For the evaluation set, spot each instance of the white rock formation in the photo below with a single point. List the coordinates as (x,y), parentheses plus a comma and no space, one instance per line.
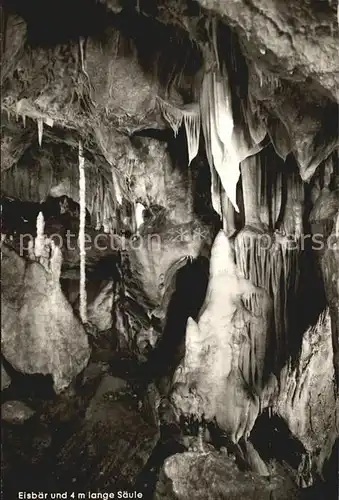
(40,333)
(221,374)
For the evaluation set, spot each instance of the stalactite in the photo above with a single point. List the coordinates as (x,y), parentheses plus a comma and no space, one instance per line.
(279,137)
(205,111)
(192,127)
(192,345)
(250,187)
(262,191)
(104,200)
(40,130)
(117,187)
(275,283)
(292,221)
(95,208)
(315,192)
(82,198)
(213,22)
(172,115)
(82,57)
(227,214)
(276,198)
(217,121)
(274,269)
(106,220)
(260,74)
(227,143)
(328,170)
(190,116)
(254,120)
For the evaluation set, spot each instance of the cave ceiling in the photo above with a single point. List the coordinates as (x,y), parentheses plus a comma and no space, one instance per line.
(94,70)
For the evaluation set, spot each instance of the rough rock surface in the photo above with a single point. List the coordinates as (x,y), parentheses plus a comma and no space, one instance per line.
(294,122)
(40,333)
(208,476)
(156,180)
(323,220)
(111,446)
(307,397)
(330,271)
(99,311)
(85,84)
(297,39)
(5,378)
(158,255)
(93,440)
(16,412)
(107,389)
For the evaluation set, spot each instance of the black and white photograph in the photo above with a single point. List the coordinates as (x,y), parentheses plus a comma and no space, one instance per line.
(169,249)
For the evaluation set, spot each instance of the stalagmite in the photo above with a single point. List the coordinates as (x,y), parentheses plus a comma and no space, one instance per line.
(192,346)
(139,219)
(40,236)
(82,198)
(254,460)
(30,250)
(250,189)
(56,261)
(221,375)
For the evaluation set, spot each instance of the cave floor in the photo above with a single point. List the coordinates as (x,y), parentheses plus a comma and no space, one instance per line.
(98,436)
(94,437)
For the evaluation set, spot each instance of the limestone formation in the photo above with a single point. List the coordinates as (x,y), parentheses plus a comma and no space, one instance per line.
(40,334)
(169,237)
(5,378)
(15,412)
(225,350)
(181,479)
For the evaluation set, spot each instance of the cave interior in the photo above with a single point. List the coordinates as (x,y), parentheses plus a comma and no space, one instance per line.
(169,249)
